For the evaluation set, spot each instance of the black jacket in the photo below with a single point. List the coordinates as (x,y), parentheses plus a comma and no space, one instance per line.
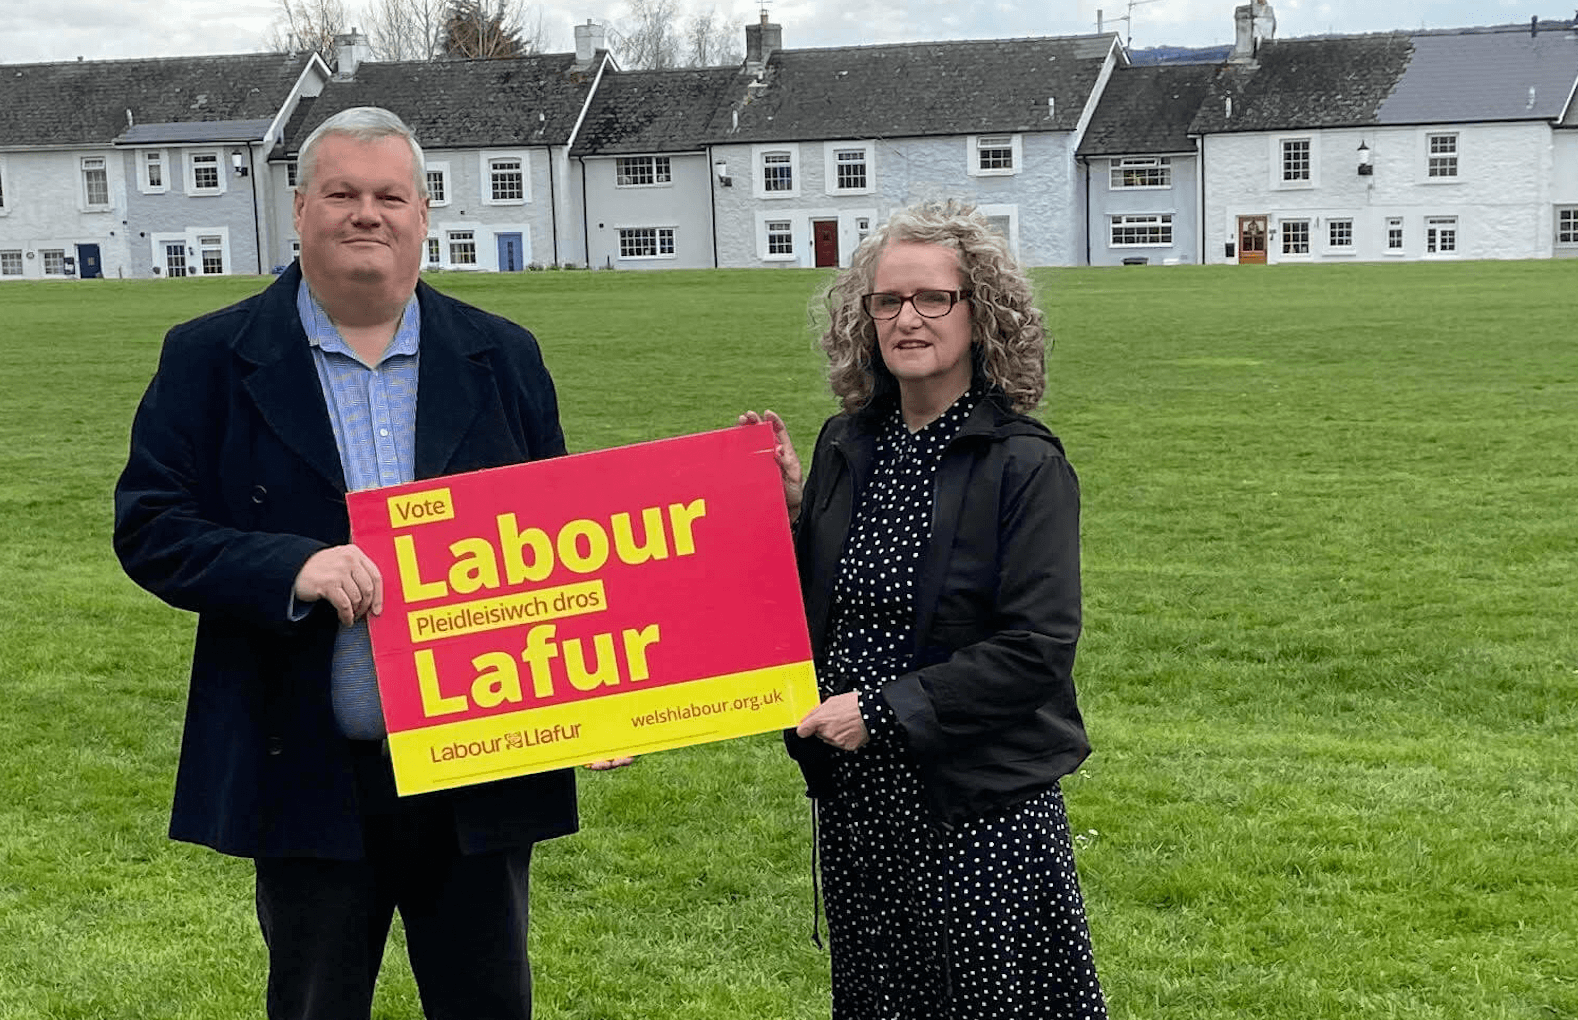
(232,482)
(989,711)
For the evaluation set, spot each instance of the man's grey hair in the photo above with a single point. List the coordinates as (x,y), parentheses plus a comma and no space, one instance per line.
(365,124)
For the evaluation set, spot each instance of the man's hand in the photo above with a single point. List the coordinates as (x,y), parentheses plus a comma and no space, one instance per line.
(347,578)
(836,721)
(783,453)
(609,763)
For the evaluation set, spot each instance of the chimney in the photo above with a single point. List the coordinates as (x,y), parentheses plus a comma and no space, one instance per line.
(761,42)
(589,38)
(1253,24)
(350,50)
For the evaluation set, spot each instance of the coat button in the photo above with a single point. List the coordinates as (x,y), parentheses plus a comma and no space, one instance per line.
(258,493)
(276,745)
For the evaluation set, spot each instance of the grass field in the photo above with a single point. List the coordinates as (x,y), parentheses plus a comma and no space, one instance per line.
(1330,664)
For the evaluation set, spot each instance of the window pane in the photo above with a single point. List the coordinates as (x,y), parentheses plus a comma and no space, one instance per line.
(155,170)
(851,169)
(54,262)
(435,185)
(508,183)
(1567,226)
(779,239)
(213,255)
(1340,233)
(95,181)
(996,153)
(1295,237)
(1296,160)
(1128,231)
(205,172)
(1443,156)
(10,263)
(462,248)
(777,172)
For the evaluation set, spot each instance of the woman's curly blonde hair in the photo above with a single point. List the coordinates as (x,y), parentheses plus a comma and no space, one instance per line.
(1008,339)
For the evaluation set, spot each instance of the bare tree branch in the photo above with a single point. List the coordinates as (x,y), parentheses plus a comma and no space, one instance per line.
(308,25)
(407,29)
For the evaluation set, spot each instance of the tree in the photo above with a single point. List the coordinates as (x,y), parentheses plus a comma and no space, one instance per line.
(407,29)
(711,42)
(473,30)
(649,40)
(308,25)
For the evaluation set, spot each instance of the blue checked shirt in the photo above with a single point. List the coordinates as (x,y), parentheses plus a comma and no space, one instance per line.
(373,411)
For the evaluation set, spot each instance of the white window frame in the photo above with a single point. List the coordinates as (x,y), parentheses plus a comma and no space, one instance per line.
(147,158)
(1332,246)
(219,170)
(1160,165)
(433,252)
(295,248)
(450,240)
(441,168)
(292,173)
(659,168)
(972,157)
(831,162)
(1429,156)
(1279,144)
(763,234)
(1570,212)
(221,244)
(43,261)
(759,155)
(1159,220)
(1395,222)
(1433,248)
(485,165)
(21,263)
(84,194)
(657,242)
(1009,212)
(1308,226)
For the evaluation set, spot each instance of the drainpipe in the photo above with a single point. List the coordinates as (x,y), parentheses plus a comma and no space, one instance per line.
(712,201)
(1200,190)
(586,215)
(257,222)
(1085,162)
(553,204)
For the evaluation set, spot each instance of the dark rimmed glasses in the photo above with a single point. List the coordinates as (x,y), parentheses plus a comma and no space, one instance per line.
(930,304)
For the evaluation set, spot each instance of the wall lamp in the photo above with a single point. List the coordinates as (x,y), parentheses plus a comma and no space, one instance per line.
(236,163)
(1366,169)
(722,167)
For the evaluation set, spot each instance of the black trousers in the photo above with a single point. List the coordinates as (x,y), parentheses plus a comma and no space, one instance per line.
(325,922)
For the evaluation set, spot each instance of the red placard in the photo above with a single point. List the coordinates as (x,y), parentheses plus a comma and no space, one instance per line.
(580,608)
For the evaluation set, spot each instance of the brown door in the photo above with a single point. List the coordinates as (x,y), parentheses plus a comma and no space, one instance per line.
(1251,240)
(825,238)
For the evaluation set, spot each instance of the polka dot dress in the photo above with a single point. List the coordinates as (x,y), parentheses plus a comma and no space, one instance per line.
(977,922)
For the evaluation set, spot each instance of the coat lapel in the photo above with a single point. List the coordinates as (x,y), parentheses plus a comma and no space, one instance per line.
(284,382)
(452,380)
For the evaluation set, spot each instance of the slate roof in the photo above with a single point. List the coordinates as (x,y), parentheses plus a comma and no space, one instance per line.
(461,104)
(1485,76)
(654,111)
(200,131)
(85,102)
(916,89)
(1336,81)
(1147,110)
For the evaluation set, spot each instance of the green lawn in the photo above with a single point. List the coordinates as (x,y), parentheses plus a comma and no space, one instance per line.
(1330,665)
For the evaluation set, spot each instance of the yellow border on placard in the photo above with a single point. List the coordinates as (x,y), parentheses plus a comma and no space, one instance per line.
(716,708)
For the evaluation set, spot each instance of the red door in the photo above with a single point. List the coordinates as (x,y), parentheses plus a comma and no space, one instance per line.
(825,239)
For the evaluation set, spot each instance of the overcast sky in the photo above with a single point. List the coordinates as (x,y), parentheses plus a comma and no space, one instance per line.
(37,30)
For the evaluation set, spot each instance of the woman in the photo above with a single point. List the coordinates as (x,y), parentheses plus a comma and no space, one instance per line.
(938,545)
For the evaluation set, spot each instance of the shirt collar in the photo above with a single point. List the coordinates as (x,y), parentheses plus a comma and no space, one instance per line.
(322,333)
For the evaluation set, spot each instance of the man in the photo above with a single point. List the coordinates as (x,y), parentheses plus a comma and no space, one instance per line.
(346,373)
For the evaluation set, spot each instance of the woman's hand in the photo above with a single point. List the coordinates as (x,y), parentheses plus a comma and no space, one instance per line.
(836,721)
(783,452)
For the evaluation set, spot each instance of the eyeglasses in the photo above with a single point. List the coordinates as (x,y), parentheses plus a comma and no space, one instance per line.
(931,304)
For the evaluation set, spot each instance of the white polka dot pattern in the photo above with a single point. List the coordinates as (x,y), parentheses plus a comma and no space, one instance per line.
(980,921)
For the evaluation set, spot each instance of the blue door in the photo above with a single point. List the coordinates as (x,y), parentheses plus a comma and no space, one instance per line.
(510,260)
(88,261)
